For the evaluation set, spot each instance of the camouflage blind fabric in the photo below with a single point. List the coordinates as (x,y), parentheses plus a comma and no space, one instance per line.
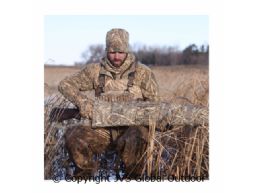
(106,114)
(114,97)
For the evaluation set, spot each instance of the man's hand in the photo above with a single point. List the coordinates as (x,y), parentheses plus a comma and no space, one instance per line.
(86,108)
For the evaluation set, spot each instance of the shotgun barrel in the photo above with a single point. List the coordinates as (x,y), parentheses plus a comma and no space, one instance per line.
(61,114)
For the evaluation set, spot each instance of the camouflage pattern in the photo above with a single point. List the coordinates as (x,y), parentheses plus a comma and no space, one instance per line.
(117,40)
(132,113)
(82,142)
(145,86)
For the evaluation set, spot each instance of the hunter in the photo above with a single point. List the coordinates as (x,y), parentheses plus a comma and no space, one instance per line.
(118,76)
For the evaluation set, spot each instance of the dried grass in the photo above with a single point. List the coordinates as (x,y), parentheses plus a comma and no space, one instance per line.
(179,151)
(55,157)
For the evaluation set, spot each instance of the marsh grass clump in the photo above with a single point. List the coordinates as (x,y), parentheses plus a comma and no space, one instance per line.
(181,151)
(56,161)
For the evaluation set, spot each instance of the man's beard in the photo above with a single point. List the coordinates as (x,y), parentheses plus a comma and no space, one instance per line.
(118,63)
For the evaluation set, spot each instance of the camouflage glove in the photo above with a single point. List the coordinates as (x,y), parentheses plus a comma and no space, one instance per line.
(86,108)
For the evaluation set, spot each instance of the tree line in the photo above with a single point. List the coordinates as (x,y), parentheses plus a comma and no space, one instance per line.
(149,55)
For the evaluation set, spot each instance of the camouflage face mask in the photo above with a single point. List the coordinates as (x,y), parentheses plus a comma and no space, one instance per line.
(117,40)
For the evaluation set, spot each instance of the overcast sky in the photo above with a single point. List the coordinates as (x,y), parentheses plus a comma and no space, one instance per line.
(66,36)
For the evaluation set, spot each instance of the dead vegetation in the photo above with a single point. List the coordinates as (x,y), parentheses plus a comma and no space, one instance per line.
(179,151)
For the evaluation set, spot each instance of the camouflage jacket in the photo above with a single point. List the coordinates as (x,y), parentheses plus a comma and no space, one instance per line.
(116,81)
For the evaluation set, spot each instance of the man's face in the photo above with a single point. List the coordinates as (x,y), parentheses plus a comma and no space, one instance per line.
(116,58)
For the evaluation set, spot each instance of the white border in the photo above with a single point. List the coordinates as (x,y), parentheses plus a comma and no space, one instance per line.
(22,98)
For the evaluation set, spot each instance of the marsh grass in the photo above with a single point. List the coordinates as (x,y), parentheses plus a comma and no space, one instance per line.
(179,151)
(55,155)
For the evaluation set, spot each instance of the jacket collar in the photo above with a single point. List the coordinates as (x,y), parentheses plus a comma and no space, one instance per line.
(128,66)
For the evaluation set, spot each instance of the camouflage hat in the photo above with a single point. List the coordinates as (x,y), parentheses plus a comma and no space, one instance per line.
(117,40)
